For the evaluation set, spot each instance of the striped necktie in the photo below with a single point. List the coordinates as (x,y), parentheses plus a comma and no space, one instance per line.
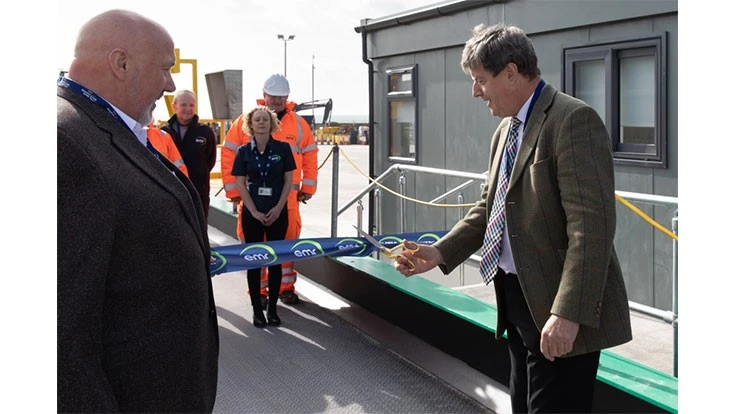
(491,250)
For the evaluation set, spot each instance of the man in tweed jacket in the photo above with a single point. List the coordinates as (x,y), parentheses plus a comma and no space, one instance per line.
(136,323)
(560,292)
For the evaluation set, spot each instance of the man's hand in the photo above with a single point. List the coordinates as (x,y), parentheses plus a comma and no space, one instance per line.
(558,336)
(426,258)
(303,197)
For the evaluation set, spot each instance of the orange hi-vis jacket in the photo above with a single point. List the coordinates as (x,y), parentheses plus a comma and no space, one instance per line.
(295,131)
(164,144)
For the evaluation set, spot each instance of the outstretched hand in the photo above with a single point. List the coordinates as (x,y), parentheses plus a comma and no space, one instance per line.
(422,256)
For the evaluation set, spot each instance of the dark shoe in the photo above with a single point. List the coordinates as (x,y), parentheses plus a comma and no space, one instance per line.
(289,297)
(273,318)
(259,321)
(264,302)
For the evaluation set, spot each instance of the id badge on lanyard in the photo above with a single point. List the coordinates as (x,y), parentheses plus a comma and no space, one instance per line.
(265,191)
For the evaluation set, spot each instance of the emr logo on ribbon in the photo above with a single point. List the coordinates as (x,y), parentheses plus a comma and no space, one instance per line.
(259,254)
(314,251)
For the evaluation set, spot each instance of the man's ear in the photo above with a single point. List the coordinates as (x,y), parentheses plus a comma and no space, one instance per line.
(511,71)
(119,61)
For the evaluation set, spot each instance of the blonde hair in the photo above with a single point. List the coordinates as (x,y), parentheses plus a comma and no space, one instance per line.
(248,124)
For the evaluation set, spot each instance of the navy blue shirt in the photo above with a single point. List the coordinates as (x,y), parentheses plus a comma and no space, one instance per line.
(264,171)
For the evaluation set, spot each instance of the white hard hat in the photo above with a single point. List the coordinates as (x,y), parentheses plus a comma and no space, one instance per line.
(276,85)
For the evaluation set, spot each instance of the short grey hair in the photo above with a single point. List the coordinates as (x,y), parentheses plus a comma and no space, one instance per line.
(494,47)
(184,92)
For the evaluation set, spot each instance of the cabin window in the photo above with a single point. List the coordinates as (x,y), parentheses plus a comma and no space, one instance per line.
(625,82)
(402,114)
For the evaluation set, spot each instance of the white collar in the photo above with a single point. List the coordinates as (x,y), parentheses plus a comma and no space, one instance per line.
(140,131)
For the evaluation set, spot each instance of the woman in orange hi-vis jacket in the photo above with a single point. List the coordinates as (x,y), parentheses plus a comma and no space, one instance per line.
(164,144)
(295,131)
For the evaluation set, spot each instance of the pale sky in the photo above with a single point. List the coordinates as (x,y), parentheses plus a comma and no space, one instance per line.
(242,34)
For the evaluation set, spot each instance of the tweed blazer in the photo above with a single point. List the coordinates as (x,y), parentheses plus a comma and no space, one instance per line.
(136,323)
(561,221)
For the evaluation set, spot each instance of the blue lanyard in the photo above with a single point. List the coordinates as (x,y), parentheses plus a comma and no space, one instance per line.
(263,171)
(537,91)
(102,103)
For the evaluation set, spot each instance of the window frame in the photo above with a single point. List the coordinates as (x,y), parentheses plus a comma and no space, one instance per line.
(402,96)
(611,53)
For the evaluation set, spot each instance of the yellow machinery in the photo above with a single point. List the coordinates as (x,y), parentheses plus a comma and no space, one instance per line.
(220,126)
(329,135)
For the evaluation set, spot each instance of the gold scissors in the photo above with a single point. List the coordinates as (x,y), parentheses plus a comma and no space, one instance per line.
(385,250)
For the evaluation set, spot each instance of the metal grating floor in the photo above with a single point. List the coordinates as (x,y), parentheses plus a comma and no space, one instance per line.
(316,362)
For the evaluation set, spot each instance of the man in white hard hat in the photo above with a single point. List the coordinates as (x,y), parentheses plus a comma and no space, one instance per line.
(296,131)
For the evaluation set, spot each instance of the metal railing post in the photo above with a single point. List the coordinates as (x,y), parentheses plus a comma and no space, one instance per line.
(402,201)
(460,200)
(377,222)
(359,210)
(377,209)
(335,178)
(675,303)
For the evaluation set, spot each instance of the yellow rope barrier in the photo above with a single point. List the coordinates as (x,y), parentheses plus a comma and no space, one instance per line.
(618,197)
(329,154)
(646,217)
(426,203)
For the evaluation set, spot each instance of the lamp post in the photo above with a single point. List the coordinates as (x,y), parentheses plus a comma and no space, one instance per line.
(285,38)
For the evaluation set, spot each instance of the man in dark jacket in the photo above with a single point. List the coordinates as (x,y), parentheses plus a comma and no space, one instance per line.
(196,143)
(136,326)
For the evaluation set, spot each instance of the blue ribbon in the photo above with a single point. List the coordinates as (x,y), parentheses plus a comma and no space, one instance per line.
(236,257)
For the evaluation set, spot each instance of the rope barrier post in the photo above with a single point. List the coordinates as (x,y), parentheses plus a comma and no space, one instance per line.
(335,178)
(402,203)
(675,301)
(460,200)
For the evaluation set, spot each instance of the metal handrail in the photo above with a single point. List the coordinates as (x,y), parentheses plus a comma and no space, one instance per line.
(454,190)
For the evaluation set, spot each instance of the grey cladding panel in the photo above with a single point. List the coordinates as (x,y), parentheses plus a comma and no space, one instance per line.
(225,90)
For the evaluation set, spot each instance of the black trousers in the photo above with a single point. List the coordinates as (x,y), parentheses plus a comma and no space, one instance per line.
(536,384)
(254,231)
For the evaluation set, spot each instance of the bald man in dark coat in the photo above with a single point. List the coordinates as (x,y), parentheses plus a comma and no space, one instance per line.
(137,328)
